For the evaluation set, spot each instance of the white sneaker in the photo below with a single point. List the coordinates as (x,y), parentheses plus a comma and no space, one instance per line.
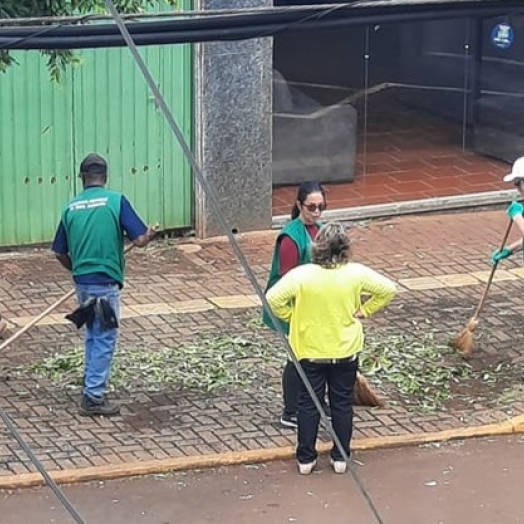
(339,466)
(306,469)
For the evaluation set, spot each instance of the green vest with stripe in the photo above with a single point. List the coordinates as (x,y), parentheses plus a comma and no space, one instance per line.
(94,235)
(296,231)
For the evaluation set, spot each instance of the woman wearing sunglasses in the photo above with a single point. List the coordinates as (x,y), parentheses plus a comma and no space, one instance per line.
(292,249)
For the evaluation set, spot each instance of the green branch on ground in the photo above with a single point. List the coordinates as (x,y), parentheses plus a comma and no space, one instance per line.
(425,372)
(207,365)
(415,370)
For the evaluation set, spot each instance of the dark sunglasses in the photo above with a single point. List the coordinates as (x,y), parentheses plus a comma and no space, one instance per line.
(518,182)
(313,207)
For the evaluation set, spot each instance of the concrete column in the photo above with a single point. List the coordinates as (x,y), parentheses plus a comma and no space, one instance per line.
(233,113)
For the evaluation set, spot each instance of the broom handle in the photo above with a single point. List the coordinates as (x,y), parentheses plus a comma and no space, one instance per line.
(492,274)
(45,313)
(37,319)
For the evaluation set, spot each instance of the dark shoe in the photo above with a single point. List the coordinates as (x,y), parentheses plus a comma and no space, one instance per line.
(90,408)
(289,421)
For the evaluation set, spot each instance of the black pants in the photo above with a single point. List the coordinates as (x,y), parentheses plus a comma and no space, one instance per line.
(291,389)
(340,379)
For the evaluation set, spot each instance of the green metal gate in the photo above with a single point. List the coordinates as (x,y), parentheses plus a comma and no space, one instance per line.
(36,151)
(103,105)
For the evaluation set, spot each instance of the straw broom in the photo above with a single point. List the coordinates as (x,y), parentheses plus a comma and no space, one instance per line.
(464,340)
(364,395)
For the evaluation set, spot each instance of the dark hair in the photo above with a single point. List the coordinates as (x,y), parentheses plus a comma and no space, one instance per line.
(93,170)
(331,246)
(305,189)
(93,164)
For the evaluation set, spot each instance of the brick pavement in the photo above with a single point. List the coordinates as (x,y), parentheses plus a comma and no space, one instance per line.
(178,289)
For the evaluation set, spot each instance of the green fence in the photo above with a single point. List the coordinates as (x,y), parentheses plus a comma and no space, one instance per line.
(102,106)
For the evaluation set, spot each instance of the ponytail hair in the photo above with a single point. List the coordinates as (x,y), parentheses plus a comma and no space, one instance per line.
(304,190)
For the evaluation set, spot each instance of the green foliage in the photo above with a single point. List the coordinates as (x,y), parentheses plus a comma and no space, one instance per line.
(41,8)
(422,370)
(416,370)
(208,364)
(57,61)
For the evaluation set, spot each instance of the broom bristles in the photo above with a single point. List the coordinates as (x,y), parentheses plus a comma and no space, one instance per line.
(464,340)
(364,394)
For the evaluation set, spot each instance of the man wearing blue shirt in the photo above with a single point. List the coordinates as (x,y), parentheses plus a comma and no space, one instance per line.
(89,242)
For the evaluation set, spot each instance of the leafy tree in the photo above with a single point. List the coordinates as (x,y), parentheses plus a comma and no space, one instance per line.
(57,61)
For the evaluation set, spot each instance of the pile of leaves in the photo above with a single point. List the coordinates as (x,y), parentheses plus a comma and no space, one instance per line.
(423,371)
(208,364)
(416,370)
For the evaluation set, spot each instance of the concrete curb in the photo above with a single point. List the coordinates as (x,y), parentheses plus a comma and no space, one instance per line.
(152,467)
(411,207)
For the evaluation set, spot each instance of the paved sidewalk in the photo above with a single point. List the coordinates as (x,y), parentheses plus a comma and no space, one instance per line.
(446,484)
(178,290)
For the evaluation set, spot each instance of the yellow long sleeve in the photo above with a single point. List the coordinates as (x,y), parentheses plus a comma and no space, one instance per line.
(320,305)
(281,296)
(381,289)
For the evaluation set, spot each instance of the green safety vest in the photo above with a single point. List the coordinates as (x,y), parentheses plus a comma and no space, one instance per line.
(94,234)
(296,231)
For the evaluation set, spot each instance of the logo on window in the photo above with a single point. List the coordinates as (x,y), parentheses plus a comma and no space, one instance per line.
(502,36)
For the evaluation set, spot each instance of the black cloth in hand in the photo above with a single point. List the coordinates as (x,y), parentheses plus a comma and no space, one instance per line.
(92,309)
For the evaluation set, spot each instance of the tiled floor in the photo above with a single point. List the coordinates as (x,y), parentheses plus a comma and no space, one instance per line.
(409,156)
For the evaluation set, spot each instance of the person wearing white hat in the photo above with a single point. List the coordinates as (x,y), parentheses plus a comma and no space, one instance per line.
(515,211)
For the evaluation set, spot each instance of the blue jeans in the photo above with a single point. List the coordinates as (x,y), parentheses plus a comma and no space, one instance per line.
(99,345)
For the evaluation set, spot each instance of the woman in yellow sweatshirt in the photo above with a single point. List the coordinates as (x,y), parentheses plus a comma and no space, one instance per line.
(322,303)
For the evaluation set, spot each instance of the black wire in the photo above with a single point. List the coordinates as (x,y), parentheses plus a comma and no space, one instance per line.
(314,16)
(21,40)
(41,469)
(213,199)
(246,26)
(36,34)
